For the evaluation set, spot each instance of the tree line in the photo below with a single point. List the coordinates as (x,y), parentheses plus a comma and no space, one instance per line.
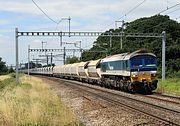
(4,69)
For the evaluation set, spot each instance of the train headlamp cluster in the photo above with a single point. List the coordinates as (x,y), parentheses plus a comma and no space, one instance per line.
(134,74)
(153,75)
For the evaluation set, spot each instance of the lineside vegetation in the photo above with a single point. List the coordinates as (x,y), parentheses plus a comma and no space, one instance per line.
(32,103)
(169,86)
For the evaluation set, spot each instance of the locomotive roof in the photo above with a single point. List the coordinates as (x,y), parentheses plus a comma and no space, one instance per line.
(127,56)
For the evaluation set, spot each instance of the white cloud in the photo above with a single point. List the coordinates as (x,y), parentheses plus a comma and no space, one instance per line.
(78,9)
(6,49)
(3,39)
(4,22)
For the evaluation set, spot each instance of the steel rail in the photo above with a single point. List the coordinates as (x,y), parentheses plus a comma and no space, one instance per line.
(161,98)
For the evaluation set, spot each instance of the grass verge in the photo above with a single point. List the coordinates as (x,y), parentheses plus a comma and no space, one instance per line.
(32,103)
(169,86)
(3,77)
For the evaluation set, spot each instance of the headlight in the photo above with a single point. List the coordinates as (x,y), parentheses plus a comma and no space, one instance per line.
(134,74)
(153,75)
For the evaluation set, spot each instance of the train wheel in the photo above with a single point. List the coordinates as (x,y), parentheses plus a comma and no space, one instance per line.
(121,85)
(131,89)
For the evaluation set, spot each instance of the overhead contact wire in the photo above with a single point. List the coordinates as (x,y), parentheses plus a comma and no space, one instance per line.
(167,13)
(168,8)
(173,11)
(132,9)
(44,12)
(127,13)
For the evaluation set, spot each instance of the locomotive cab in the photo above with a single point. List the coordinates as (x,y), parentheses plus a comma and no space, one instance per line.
(143,70)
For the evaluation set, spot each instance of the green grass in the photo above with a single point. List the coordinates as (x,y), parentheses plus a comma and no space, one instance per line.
(32,103)
(9,82)
(169,86)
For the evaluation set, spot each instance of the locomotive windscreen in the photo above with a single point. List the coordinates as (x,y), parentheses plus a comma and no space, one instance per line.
(143,63)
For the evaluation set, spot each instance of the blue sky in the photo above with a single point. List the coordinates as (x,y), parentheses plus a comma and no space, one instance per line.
(87,15)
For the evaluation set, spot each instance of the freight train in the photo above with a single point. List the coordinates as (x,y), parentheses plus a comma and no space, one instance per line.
(130,72)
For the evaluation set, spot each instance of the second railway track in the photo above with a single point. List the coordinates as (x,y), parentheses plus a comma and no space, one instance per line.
(163,98)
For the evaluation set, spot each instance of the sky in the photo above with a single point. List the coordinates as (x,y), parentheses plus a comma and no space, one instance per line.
(86,15)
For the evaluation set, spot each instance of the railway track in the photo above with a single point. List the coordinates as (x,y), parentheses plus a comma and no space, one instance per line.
(164,116)
(167,96)
(162,98)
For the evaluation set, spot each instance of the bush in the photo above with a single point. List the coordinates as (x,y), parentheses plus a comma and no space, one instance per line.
(13,75)
(176,74)
(11,70)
